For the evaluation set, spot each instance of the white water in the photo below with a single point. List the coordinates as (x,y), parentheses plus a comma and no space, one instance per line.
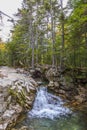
(48,106)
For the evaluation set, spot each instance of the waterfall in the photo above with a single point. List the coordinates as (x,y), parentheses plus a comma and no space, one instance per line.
(47,105)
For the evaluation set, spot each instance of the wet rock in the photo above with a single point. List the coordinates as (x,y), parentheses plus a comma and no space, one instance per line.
(39,83)
(51,84)
(61,91)
(80,98)
(56,84)
(24,128)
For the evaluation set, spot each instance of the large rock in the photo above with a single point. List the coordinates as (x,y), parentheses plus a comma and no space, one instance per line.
(56,80)
(23,92)
(51,74)
(63,86)
(9,117)
(17,93)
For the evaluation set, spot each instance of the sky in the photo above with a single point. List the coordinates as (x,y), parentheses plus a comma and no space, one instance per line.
(9,7)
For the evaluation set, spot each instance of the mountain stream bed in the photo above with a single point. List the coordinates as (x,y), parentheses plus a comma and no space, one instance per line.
(49,113)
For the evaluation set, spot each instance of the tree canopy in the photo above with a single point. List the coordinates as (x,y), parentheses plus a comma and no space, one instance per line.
(47,32)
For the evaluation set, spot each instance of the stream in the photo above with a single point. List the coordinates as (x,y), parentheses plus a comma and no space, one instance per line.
(49,113)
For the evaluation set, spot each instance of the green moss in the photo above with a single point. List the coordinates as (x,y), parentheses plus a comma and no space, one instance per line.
(19,97)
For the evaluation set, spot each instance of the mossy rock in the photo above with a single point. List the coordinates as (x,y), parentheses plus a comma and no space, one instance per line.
(19,97)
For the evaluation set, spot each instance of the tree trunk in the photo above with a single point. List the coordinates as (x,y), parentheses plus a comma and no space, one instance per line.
(62,37)
(53,38)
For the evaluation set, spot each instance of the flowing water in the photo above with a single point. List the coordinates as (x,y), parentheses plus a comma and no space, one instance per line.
(47,105)
(49,113)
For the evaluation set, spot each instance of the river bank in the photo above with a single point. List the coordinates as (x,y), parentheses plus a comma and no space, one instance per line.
(18,91)
(68,84)
(65,87)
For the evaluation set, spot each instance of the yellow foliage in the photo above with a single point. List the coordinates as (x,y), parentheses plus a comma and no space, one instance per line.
(2,46)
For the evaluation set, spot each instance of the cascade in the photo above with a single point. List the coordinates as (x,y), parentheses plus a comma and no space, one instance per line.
(46,105)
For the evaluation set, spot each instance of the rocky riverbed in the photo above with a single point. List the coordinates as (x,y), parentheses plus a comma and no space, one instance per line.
(63,86)
(18,90)
(17,93)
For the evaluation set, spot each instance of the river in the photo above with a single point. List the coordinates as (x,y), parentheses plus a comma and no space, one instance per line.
(49,113)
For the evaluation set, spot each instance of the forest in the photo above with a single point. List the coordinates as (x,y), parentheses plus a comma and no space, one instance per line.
(43,67)
(47,32)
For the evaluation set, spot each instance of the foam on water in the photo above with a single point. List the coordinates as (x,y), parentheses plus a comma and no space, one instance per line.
(48,106)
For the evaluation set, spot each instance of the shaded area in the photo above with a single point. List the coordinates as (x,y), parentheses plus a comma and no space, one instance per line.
(73,122)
